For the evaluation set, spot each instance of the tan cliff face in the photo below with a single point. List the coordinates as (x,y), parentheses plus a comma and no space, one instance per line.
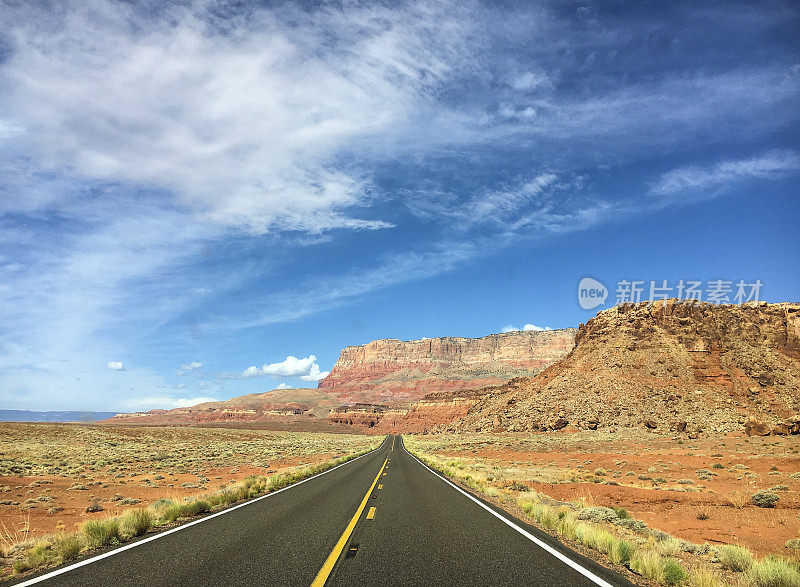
(665,365)
(392,371)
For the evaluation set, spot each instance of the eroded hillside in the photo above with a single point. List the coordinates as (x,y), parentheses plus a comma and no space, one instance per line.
(665,365)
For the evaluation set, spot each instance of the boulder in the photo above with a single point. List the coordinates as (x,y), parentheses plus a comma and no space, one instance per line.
(680,427)
(755,427)
(650,424)
(558,424)
(780,429)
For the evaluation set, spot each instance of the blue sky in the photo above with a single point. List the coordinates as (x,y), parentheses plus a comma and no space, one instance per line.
(207,200)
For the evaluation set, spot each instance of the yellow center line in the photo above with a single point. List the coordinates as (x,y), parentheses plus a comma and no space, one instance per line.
(327,568)
(371,513)
(380,486)
(392,443)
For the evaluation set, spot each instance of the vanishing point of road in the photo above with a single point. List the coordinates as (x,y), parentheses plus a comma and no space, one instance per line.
(381,519)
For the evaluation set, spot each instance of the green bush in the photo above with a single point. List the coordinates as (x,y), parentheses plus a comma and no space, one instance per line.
(773,572)
(39,555)
(136,522)
(735,558)
(622,513)
(170,512)
(673,572)
(194,508)
(101,532)
(69,548)
(622,552)
(764,499)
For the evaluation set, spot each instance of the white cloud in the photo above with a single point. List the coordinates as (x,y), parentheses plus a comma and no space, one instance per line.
(526,328)
(530,81)
(283,385)
(244,127)
(115,365)
(533,327)
(166,403)
(191,366)
(306,369)
(771,165)
(315,374)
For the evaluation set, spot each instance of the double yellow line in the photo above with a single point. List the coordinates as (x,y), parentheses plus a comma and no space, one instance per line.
(327,568)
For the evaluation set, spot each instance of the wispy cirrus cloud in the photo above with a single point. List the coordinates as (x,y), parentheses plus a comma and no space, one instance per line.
(694,178)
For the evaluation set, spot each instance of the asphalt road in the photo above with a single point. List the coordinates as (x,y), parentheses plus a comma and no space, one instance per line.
(422,531)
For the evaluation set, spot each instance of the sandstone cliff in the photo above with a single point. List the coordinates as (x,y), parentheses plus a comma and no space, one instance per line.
(392,371)
(665,365)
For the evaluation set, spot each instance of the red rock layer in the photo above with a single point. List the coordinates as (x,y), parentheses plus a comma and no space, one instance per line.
(391,371)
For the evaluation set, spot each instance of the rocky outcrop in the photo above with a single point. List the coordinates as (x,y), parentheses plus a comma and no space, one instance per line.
(664,366)
(393,371)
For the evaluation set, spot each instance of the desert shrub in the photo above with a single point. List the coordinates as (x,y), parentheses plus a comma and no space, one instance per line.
(597,514)
(669,547)
(649,564)
(773,572)
(162,502)
(779,488)
(548,518)
(170,512)
(793,544)
(136,522)
(673,572)
(39,555)
(764,499)
(717,466)
(101,532)
(735,558)
(621,512)
(631,524)
(703,577)
(621,552)
(69,548)
(518,486)
(194,508)
(567,527)
(20,565)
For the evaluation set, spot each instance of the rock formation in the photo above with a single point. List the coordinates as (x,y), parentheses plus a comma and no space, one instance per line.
(393,371)
(667,365)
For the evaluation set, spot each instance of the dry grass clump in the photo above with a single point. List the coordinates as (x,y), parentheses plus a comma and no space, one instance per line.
(773,572)
(101,532)
(135,522)
(734,558)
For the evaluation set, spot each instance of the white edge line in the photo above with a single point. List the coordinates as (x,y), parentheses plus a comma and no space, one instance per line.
(560,556)
(93,559)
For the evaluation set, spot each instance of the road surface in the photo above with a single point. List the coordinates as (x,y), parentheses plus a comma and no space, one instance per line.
(382,519)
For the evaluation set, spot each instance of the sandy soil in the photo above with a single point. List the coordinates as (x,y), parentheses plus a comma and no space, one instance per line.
(65,468)
(669,483)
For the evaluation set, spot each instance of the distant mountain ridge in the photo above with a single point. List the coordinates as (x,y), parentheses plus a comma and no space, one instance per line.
(254,407)
(66,416)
